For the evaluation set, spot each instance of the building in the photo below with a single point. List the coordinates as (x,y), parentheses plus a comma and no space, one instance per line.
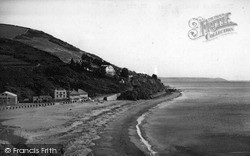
(8,98)
(78,96)
(83,94)
(74,96)
(60,94)
(42,98)
(109,70)
(112,97)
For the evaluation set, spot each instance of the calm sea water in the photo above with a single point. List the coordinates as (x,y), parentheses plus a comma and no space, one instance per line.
(210,119)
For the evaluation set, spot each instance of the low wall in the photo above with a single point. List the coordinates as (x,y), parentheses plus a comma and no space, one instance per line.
(112,97)
(25,105)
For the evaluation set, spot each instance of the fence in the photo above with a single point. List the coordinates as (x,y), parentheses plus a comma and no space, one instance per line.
(30,105)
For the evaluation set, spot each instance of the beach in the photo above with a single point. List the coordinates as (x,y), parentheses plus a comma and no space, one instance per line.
(89,128)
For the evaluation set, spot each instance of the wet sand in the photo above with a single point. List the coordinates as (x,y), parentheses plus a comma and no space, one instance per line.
(121,138)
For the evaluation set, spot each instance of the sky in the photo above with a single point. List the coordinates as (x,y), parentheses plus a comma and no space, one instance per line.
(148,36)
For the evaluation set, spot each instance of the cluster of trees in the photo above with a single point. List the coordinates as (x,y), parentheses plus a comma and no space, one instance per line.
(96,66)
(143,87)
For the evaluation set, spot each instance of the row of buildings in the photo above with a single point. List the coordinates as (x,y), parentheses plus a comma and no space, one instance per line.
(8,98)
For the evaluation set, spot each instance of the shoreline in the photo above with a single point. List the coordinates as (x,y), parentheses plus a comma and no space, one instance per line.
(85,129)
(145,116)
(142,137)
(121,137)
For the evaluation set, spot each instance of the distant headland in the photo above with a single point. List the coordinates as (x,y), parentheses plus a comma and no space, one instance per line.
(193,79)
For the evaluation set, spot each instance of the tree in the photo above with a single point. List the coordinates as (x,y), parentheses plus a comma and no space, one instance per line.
(154,76)
(87,58)
(124,72)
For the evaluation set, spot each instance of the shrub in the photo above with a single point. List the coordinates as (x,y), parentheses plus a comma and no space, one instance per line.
(125,72)
(129,95)
(154,76)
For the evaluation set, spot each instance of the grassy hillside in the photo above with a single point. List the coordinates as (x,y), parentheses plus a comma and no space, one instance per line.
(28,71)
(28,68)
(42,41)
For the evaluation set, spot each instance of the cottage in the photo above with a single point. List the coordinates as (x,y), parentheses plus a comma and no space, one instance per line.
(109,70)
(74,96)
(42,98)
(60,94)
(83,94)
(8,98)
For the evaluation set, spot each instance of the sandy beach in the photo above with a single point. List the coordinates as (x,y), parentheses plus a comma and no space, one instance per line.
(83,128)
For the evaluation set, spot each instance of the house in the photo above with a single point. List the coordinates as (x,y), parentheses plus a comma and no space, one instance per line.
(77,96)
(74,96)
(8,98)
(83,94)
(109,70)
(42,98)
(60,94)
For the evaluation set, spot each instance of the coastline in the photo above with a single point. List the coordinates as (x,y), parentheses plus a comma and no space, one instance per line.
(121,138)
(84,129)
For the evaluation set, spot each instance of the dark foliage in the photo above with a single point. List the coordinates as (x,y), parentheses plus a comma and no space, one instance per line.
(46,72)
(154,76)
(143,88)
(124,73)
(28,71)
(129,95)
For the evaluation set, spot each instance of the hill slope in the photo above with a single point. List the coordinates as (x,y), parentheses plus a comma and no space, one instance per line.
(35,63)
(43,41)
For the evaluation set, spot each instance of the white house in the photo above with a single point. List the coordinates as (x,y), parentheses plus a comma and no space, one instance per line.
(110,71)
(60,94)
(8,98)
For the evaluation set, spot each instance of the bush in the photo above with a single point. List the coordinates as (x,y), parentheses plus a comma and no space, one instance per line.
(125,72)
(129,95)
(154,76)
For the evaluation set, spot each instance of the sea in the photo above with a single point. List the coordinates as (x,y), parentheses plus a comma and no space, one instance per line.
(209,119)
